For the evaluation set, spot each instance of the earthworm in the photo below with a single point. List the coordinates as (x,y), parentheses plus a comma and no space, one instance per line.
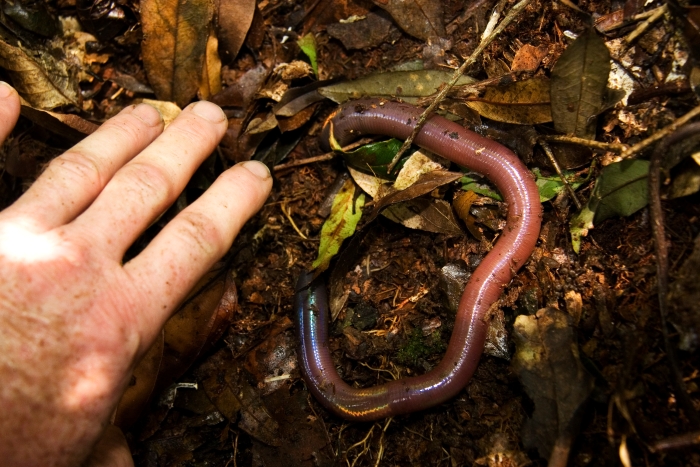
(514,245)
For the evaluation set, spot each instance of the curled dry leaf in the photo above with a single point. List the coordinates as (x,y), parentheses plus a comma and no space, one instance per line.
(234,18)
(174,46)
(211,69)
(69,126)
(41,79)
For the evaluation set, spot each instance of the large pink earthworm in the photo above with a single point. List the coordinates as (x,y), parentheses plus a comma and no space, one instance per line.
(514,245)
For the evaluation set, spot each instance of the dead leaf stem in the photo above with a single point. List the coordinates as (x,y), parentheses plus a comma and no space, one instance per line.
(661,133)
(659,234)
(512,14)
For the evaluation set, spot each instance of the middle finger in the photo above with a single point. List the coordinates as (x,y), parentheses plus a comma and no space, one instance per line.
(151,182)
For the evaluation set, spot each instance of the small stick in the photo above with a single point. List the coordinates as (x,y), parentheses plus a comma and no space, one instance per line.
(661,133)
(557,167)
(615,147)
(323,157)
(512,14)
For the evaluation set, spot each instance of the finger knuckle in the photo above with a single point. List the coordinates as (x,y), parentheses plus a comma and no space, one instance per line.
(150,182)
(201,233)
(76,167)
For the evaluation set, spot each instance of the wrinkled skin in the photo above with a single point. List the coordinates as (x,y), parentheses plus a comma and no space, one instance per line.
(74,320)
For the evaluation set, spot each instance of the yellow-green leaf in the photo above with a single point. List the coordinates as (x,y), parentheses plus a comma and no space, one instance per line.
(345,214)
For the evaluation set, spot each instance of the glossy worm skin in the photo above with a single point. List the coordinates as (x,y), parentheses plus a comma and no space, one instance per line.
(516,242)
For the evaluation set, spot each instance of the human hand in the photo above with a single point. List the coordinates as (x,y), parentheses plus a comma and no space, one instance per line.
(74,320)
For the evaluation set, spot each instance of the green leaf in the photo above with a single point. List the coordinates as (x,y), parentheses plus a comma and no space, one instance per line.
(551,186)
(375,158)
(620,190)
(472,183)
(548,186)
(578,85)
(307,44)
(341,224)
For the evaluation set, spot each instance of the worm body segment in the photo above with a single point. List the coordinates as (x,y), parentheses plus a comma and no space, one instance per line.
(514,246)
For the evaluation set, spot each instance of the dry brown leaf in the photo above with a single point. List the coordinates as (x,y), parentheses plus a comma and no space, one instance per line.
(528,58)
(46,83)
(523,102)
(69,126)
(174,46)
(211,70)
(234,18)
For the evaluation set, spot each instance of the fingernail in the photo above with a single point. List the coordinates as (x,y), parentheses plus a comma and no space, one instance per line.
(211,112)
(148,114)
(5,90)
(257,168)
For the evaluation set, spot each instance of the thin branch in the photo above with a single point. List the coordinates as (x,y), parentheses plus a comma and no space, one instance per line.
(512,14)
(661,133)
(659,234)
(615,147)
(321,158)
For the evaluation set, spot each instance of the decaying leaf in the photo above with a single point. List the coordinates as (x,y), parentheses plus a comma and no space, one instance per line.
(431,215)
(423,19)
(41,79)
(345,214)
(225,385)
(174,44)
(368,31)
(198,324)
(234,18)
(620,190)
(408,85)
(548,365)
(424,184)
(522,102)
(579,79)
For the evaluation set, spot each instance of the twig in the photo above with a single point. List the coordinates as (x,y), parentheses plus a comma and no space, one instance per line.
(661,133)
(615,147)
(659,234)
(639,30)
(287,214)
(309,160)
(557,168)
(323,157)
(677,442)
(512,14)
